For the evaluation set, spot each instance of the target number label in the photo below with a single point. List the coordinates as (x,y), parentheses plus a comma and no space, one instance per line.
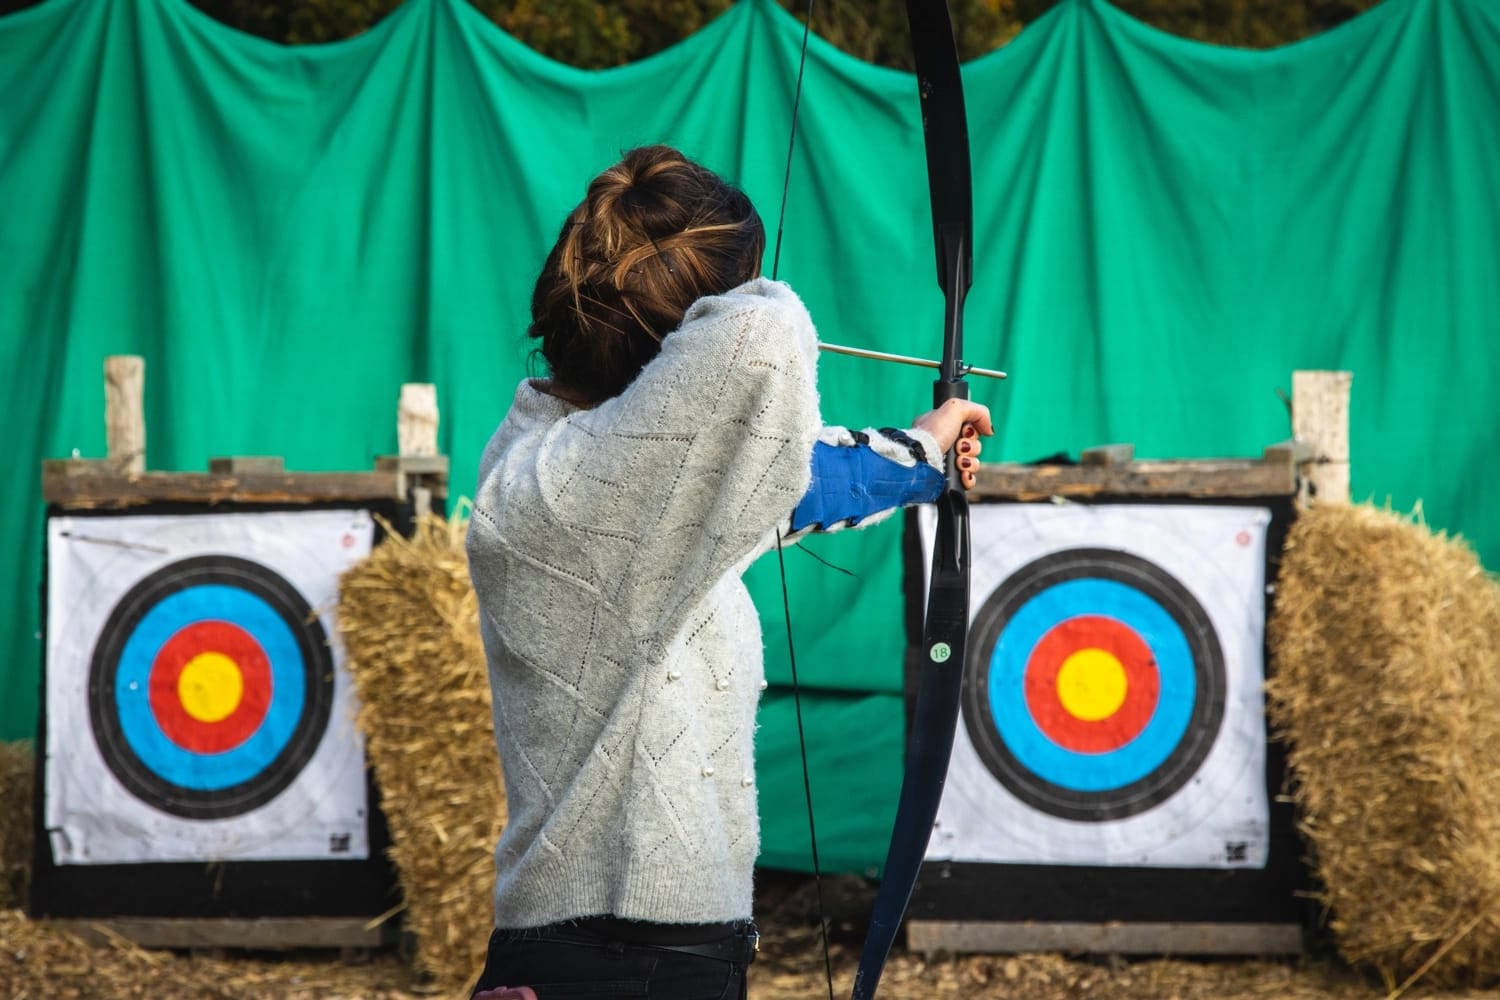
(1095,686)
(210,687)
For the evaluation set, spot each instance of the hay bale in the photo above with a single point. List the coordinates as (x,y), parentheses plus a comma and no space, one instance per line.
(410,621)
(16,780)
(1387,688)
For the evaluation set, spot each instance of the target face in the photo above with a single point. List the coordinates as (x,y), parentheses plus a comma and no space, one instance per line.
(1111,703)
(197,704)
(1094,686)
(210,687)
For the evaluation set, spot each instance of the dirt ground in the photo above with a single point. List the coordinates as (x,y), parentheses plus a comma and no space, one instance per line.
(41,963)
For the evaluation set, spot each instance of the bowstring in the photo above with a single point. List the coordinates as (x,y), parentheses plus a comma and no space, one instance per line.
(791,141)
(786,601)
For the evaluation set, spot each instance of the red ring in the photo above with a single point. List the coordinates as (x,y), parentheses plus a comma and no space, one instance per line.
(210,636)
(1142,684)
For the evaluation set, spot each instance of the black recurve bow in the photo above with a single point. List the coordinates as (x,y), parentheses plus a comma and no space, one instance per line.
(946,626)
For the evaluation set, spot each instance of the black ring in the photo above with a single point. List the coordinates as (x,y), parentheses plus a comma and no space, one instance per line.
(1208,664)
(317,661)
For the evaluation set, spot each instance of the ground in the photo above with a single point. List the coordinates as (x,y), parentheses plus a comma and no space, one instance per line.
(40,963)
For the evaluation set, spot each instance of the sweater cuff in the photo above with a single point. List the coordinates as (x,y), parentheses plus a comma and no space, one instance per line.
(926,446)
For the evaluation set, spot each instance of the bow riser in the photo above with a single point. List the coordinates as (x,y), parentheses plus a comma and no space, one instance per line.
(955,270)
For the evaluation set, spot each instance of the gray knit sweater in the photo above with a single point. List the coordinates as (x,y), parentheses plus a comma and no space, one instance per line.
(624,651)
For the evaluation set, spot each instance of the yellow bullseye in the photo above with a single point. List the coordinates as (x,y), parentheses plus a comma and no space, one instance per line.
(1091,685)
(210,687)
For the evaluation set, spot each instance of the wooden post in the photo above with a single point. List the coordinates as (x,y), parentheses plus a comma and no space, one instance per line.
(417,420)
(124,411)
(1320,417)
(416,433)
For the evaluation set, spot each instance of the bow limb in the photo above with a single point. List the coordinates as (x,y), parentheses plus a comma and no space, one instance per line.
(946,628)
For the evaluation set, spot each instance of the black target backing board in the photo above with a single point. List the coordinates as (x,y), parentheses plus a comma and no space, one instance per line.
(1256,880)
(332,886)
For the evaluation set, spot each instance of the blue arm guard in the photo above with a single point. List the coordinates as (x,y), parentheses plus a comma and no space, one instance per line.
(849,483)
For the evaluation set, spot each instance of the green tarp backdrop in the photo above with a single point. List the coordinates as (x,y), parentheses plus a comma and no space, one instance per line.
(1164,231)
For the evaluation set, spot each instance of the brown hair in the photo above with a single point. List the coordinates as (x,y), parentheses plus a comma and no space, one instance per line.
(655,233)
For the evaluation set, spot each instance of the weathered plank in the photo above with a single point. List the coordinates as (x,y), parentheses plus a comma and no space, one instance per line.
(85,486)
(261,934)
(1197,478)
(1112,938)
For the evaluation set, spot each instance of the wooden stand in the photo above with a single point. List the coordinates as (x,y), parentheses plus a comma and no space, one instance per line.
(406,485)
(89,484)
(417,475)
(1111,474)
(1312,467)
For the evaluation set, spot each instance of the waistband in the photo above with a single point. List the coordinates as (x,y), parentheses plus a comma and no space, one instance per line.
(735,942)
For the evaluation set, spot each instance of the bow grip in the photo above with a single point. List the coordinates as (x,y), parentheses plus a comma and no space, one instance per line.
(943,390)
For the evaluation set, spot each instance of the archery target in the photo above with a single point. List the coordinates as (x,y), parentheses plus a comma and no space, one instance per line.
(196,700)
(1112,691)
(210,687)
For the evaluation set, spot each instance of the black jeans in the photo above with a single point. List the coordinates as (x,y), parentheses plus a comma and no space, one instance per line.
(602,957)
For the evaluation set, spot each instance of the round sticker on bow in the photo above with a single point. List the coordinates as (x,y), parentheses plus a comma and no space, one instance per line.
(210,687)
(1095,684)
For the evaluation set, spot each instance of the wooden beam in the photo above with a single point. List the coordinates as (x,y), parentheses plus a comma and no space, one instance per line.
(1112,938)
(1199,478)
(66,484)
(263,934)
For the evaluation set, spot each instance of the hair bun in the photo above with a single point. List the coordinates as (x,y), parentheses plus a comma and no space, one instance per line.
(654,233)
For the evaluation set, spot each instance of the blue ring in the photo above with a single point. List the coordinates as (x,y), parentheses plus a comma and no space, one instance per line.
(156,750)
(1090,772)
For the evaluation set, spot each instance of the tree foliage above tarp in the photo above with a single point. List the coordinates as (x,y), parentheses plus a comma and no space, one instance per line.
(592,35)
(1164,231)
(588,34)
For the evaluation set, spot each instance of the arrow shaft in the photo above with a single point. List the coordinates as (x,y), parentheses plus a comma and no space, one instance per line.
(902,359)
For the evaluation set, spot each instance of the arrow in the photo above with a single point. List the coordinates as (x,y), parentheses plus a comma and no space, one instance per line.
(860,352)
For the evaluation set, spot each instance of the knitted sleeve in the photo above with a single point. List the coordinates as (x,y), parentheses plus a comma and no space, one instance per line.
(669,485)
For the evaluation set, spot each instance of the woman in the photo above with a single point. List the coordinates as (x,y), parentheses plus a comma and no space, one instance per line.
(619,501)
